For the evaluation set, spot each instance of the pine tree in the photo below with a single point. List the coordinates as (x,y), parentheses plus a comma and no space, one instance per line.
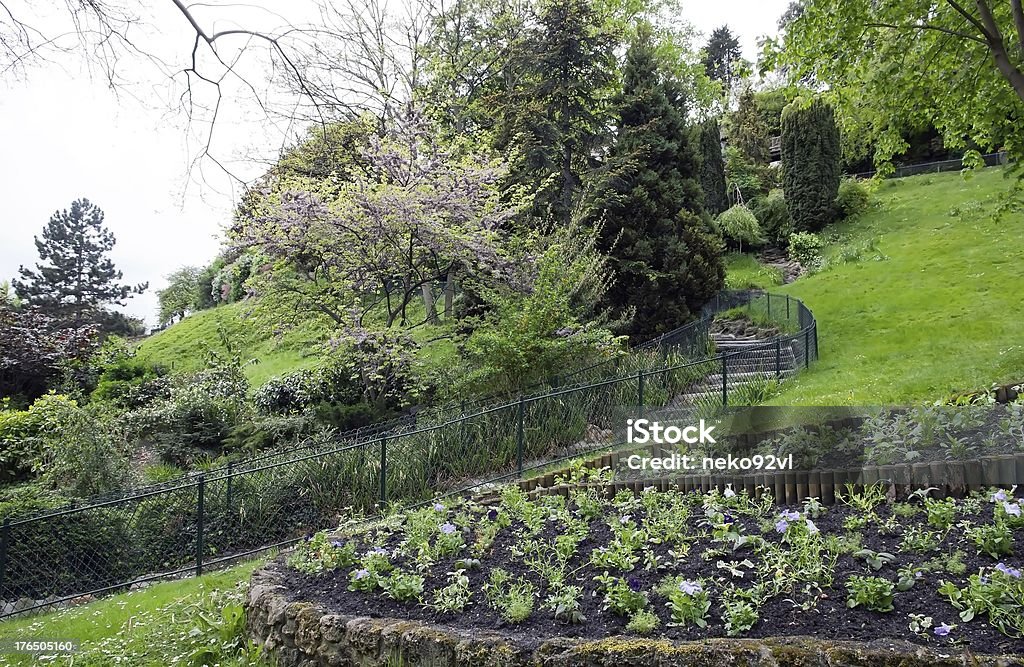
(553,121)
(667,264)
(75,277)
(811,156)
(747,130)
(712,168)
(720,56)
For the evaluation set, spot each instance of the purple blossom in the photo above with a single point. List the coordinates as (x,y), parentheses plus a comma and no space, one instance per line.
(811,528)
(361,574)
(492,514)
(999,496)
(626,518)
(690,587)
(943,629)
(1012,509)
(634,584)
(729,493)
(448,529)
(1008,571)
(983,579)
(337,544)
(781,525)
(790,515)
(438,507)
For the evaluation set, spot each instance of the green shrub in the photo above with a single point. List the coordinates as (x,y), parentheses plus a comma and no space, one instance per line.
(805,248)
(772,213)
(738,225)
(129,383)
(854,198)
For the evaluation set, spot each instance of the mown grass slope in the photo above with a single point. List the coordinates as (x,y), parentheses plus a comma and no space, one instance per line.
(921,297)
(276,348)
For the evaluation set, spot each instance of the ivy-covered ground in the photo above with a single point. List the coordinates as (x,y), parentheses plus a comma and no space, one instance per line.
(688,566)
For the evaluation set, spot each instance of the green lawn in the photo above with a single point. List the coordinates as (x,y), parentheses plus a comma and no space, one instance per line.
(743,271)
(183,346)
(932,306)
(171,623)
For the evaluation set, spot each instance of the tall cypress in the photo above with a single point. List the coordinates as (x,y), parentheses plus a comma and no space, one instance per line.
(712,168)
(667,264)
(811,156)
(75,277)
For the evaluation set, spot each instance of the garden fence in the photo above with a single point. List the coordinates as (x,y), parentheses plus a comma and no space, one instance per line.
(222,515)
(991,160)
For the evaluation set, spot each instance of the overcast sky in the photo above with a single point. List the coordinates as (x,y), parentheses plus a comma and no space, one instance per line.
(65,135)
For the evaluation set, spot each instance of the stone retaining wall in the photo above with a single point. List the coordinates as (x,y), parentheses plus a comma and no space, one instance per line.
(302,634)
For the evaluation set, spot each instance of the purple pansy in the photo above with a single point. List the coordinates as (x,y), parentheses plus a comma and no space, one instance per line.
(361,574)
(943,629)
(781,525)
(438,507)
(448,529)
(1008,571)
(634,584)
(811,528)
(492,514)
(1012,509)
(999,496)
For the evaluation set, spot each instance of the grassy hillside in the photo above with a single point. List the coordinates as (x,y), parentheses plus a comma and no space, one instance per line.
(922,298)
(183,346)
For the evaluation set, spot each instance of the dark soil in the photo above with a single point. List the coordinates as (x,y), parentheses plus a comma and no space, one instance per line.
(829,619)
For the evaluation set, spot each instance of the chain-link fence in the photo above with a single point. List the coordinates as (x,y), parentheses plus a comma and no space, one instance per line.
(991,160)
(215,517)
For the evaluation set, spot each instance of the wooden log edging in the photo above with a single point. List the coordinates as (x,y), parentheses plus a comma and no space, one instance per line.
(304,634)
(953,479)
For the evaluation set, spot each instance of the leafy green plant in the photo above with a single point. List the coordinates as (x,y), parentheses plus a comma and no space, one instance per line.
(403,586)
(875,593)
(994,539)
(688,601)
(740,226)
(998,594)
(854,197)
(322,553)
(623,597)
(512,598)
(455,596)
(876,559)
(643,622)
(565,604)
(805,248)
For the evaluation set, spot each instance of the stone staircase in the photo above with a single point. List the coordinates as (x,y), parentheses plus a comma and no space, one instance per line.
(749,360)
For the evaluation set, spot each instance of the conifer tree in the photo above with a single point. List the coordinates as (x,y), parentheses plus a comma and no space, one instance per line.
(75,278)
(712,168)
(811,156)
(554,118)
(667,263)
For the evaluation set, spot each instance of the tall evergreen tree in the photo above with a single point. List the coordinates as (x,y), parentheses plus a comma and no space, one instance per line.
(811,156)
(720,56)
(747,130)
(554,120)
(712,168)
(667,264)
(75,278)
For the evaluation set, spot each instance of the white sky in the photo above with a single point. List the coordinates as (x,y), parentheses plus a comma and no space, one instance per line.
(65,135)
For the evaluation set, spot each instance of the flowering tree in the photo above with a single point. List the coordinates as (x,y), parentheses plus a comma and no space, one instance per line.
(417,217)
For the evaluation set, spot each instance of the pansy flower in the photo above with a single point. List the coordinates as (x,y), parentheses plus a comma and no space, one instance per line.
(634,584)
(943,629)
(1012,509)
(1008,571)
(999,496)
(448,528)
(690,587)
(361,574)
(438,507)
(492,514)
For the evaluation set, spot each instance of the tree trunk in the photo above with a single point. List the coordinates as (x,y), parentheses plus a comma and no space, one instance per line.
(429,305)
(997,46)
(449,294)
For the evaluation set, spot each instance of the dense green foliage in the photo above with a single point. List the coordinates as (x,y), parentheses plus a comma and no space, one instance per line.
(810,163)
(712,168)
(773,214)
(738,226)
(899,65)
(721,55)
(653,228)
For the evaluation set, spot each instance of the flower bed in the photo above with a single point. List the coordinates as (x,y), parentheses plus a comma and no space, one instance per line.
(686,566)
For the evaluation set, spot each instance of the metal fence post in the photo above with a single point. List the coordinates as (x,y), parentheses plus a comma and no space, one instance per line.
(787,307)
(807,348)
(816,356)
(383,472)
(200,493)
(227,493)
(640,391)
(778,359)
(520,434)
(725,380)
(5,538)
